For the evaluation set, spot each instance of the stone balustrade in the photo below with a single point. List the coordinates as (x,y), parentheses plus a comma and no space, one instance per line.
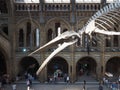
(57,6)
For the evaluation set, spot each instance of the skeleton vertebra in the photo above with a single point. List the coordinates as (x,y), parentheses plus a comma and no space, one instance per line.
(100,22)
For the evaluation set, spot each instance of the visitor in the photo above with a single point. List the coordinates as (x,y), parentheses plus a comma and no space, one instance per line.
(100,87)
(0,84)
(104,79)
(107,82)
(114,86)
(119,79)
(65,77)
(28,84)
(68,79)
(84,83)
(13,86)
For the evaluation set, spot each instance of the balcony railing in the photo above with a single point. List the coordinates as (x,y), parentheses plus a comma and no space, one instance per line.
(57,7)
(26,7)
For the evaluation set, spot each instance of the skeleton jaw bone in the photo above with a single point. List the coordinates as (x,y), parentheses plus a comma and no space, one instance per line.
(69,38)
(63,36)
(64,45)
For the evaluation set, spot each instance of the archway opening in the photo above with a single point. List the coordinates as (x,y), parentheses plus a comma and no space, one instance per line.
(86,69)
(28,65)
(3,68)
(113,67)
(57,67)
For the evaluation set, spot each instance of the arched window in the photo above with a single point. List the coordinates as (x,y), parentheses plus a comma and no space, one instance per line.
(108,41)
(49,35)
(21,38)
(86,40)
(115,41)
(94,40)
(57,25)
(28,34)
(37,38)
(65,30)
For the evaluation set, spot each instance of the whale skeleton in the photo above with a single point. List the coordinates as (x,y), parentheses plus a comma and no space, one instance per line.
(101,22)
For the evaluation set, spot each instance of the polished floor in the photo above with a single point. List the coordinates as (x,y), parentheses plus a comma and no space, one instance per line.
(54,87)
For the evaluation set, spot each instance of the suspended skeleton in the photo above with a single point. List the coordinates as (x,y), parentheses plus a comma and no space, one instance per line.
(101,22)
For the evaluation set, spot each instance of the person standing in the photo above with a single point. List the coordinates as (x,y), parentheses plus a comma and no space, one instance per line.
(28,84)
(84,83)
(0,85)
(119,79)
(100,87)
(13,86)
(68,79)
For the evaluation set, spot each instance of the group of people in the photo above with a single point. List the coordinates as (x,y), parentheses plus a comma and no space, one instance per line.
(4,79)
(55,78)
(29,79)
(113,85)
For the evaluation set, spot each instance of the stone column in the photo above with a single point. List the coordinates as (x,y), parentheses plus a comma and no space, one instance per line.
(98,69)
(11,33)
(11,30)
(43,74)
(72,66)
(102,56)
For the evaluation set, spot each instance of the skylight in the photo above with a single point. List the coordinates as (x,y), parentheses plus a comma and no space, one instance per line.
(88,1)
(27,1)
(57,1)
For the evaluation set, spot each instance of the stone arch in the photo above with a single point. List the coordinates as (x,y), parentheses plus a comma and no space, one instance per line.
(86,67)
(51,24)
(28,65)
(55,20)
(27,20)
(57,65)
(113,66)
